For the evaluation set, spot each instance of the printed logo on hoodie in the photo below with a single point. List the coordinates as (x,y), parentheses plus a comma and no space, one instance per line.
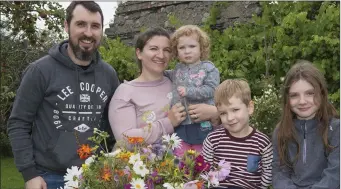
(84,112)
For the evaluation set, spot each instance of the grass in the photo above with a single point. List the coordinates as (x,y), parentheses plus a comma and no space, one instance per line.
(10,177)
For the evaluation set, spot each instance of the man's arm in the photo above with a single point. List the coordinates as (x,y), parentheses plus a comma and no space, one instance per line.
(28,98)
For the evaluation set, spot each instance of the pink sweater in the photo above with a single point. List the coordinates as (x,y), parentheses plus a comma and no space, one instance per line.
(139,109)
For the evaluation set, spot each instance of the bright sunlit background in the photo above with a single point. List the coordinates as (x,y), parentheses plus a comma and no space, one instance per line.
(108,9)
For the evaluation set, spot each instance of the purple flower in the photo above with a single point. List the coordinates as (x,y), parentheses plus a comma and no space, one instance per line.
(150,184)
(116,178)
(158,149)
(146,150)
(224,169)
(156,178)
(127,186)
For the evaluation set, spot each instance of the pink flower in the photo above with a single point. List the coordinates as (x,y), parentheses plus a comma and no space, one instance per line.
(201,74)
(192,76)
(200,164)
(212,178)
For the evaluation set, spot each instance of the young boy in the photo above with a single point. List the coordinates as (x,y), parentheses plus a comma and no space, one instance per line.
(248,150)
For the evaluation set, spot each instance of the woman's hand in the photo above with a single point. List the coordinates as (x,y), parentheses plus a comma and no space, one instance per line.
(177,114)
(204,112)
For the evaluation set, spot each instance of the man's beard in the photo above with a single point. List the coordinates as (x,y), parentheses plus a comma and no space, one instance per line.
(81,54)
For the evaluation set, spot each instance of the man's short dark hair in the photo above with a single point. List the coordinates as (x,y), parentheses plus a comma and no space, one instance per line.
(92,6)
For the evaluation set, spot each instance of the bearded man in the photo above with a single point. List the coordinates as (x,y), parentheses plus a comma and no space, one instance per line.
(61,99)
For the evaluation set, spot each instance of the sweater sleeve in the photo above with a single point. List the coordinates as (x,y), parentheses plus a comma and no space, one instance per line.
(205,91)
(28,98)
(280,173)
(207,150)
(267,153)
(331,174)
(123,122)
(169,74)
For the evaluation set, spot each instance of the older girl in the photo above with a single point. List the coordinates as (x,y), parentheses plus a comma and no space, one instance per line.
(307,138)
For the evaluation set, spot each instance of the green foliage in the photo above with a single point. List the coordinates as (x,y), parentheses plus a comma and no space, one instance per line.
(20,17)
(15,56)
(270,44)
(264,49)
(121,57)
(5,145)
(174,21)
(267,110)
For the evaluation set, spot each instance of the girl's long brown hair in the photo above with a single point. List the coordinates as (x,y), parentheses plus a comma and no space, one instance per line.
(286,133)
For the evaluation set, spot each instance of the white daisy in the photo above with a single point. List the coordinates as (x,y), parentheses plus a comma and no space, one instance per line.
(140,169)
(113,154)
(168,186)
(137,184)
(134,158)
(173,186)
(178,186)
(90,160)
(172,140)
(72,177)
(170,95)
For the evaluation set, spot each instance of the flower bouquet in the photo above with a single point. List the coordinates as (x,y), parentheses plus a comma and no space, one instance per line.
(137,165)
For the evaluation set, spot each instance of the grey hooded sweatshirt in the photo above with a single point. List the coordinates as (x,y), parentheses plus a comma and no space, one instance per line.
(57,106)
(315,167)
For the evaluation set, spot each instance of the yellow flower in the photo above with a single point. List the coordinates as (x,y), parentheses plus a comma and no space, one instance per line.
(191,152)
(124,156)
(85,167)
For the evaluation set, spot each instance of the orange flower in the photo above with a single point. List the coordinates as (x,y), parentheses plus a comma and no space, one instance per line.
(199,184)
(84,151)
(163,164)
(106,175)
(135,140)
(120,172)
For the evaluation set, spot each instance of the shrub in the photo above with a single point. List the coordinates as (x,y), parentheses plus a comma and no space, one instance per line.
(267,110)
(120,57)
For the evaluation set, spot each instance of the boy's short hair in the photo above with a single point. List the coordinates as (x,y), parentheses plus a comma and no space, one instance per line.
(188,30)
(232,87)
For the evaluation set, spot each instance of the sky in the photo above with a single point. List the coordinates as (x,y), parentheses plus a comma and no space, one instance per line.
(108,9)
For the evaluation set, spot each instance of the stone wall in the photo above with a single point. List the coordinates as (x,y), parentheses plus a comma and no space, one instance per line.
(131,17)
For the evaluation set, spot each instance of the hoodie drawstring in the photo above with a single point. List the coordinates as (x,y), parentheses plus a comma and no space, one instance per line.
(304,143)
(77,107)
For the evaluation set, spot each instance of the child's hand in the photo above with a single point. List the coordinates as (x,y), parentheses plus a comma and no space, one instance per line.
(182,91)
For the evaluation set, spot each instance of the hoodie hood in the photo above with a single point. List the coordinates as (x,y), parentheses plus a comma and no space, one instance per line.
(59,53)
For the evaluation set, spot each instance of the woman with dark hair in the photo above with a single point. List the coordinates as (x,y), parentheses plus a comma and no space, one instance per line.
(141,107)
